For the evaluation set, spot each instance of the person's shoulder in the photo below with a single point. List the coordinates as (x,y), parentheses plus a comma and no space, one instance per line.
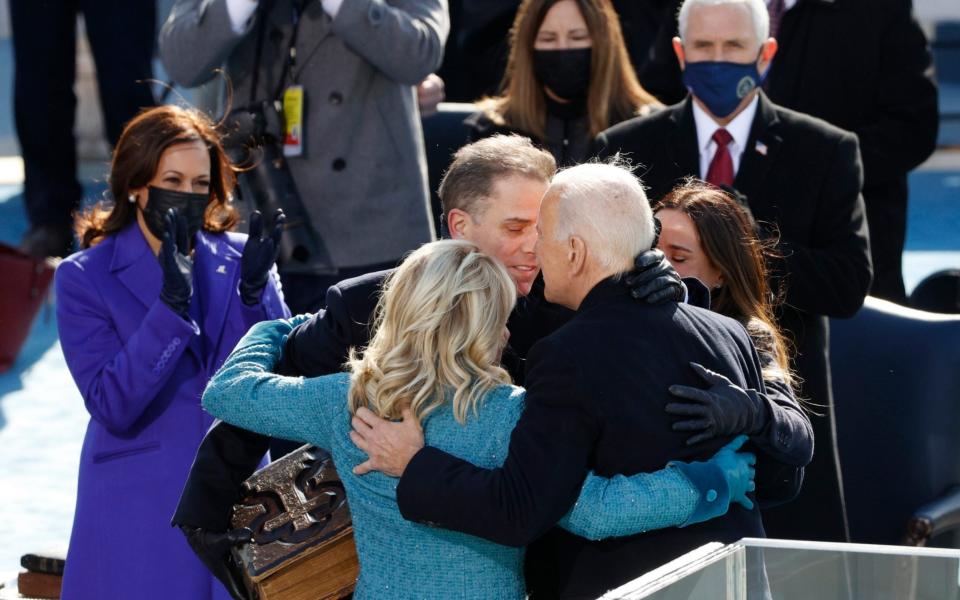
(489,120)
(362,284)
(88,261)
(714,320)
(506,393)
(653,120)
(810,125)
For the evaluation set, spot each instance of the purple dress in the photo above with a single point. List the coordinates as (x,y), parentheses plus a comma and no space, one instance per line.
(141,370)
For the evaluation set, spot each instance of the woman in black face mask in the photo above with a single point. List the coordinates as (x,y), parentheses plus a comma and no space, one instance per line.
(147,311)
(568,78)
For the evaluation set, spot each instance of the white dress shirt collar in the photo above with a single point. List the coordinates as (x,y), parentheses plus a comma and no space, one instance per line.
(739,129)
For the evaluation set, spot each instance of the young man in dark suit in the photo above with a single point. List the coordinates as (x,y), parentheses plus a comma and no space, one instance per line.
(795,174)
(596,390)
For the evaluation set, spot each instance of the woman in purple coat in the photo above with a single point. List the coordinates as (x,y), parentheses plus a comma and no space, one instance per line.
(147,312)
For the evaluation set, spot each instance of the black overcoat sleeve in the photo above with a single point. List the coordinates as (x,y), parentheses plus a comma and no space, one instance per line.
(540,478)
(228,455)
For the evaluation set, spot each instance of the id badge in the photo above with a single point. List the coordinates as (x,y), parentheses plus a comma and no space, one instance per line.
(293,102)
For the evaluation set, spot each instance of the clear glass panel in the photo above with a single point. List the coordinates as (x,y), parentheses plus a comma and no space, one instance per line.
(786,570)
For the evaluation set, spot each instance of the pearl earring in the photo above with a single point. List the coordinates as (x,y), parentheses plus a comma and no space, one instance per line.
(132,198)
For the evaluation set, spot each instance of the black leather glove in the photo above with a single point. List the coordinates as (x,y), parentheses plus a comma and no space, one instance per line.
(722,410)
(654,280)
(259,255)
(213,549)
(177,266)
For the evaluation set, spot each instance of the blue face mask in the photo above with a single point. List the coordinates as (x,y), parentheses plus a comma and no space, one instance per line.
(721,85)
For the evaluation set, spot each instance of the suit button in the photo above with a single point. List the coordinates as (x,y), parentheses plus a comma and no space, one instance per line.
(376,15)
(339,164)
(711,495)
(336,98)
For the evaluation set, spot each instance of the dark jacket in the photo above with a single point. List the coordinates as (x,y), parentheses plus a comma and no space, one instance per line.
(596,391)
(864,66)
(803,176)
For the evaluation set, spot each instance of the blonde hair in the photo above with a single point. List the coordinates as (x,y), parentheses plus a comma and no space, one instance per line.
(439,326)
(614,94)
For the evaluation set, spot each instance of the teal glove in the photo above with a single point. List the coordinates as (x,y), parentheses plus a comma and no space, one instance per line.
(270,333)
(726,478)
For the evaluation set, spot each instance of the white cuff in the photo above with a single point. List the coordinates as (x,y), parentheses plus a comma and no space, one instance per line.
(240,12)
(331,7)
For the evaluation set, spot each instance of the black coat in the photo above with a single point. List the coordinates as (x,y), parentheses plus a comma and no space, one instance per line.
(864,66)
(596,391)
(804,176)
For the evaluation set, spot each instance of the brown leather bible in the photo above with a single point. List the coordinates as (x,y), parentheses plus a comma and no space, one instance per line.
(302,547)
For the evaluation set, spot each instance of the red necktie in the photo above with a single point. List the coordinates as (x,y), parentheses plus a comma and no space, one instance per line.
(721,167)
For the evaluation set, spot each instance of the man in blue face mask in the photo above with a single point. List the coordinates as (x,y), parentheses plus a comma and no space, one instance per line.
(796,175)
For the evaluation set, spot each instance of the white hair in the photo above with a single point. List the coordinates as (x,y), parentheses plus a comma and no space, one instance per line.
(605,205)
(757,8)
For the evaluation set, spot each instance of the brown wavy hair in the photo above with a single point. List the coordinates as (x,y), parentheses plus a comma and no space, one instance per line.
(615,92)
(135,161)
(728,238)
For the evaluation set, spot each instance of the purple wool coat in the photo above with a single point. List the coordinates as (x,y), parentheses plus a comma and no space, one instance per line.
(141,370)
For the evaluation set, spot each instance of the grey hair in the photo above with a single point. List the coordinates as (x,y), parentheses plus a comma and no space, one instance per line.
(604,203)
(757,8)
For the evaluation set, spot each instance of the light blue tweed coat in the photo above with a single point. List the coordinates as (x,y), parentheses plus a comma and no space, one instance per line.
(398,558)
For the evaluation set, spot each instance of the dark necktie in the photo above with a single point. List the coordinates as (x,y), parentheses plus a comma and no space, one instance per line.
(721,167)
(776,9)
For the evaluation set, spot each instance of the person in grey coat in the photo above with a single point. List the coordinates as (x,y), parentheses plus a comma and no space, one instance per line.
(361,168)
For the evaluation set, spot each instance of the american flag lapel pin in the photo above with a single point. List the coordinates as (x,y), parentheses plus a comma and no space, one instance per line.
(761,148)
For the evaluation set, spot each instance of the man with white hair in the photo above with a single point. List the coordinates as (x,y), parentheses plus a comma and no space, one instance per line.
(596,389)
(800,178)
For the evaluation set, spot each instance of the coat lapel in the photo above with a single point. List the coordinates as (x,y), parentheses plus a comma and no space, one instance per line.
(682,148)
(217,263)
(135,265)
(760,155)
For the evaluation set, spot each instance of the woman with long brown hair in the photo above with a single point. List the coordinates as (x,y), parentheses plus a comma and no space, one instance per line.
(708,235)
(147,310)
(568,78)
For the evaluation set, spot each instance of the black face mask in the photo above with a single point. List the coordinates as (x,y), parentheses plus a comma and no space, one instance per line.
(565,72)
(188,205)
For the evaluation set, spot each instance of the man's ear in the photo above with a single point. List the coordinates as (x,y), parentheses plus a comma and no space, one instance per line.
(458,222)
(678,50)
(767,51)
(576,255)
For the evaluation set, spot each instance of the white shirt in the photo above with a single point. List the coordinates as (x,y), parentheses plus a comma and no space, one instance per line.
(739,129)
(241,11)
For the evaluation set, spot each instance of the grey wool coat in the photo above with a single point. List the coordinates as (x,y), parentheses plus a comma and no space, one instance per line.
(363,173)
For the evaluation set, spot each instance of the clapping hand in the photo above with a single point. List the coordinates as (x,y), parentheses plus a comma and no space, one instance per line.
(723,409)
(176,265)
(259,255)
